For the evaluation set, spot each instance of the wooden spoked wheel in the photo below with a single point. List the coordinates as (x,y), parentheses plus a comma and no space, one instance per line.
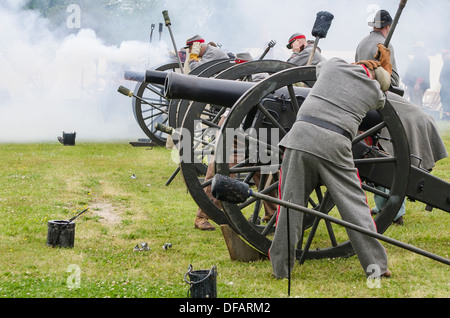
(201,126)
(150,107)
(245,217)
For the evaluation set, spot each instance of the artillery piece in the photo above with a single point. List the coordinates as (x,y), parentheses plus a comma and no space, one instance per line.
(273,103)
(148,97)
(159,116)
(150,107)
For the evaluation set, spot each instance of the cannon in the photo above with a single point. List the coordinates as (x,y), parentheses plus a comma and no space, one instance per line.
(150,107)
(263,106)
(195,150)
(157,119)
(158,116)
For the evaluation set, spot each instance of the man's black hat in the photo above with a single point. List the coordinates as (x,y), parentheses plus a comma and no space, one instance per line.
(382,18)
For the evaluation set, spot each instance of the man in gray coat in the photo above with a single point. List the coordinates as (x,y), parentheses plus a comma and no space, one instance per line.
(301,51)
(318,150)
(417,76)
(367,48)
(444,79)
(201,52)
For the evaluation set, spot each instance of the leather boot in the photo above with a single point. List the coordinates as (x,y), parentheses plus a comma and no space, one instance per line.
(203,224)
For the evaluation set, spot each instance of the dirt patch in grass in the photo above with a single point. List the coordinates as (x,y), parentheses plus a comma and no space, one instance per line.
(107,212)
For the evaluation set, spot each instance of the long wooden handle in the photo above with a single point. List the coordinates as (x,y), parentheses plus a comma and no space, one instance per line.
(395,22)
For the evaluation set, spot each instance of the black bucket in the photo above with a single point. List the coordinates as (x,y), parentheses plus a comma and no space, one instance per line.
(61,234)
(203,283)
(69,138)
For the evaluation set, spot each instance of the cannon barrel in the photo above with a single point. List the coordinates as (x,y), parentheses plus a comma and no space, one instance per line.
(153,77)
(226,93)
(205,90)
(134,76)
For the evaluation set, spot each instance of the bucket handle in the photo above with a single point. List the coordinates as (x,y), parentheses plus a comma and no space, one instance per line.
(190,268)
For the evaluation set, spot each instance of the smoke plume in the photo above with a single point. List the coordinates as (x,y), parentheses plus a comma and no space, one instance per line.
(56,79)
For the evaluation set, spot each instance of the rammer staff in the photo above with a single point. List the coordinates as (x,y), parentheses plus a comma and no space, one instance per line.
(168,24)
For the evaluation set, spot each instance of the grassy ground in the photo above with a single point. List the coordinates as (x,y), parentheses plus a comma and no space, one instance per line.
(42,182)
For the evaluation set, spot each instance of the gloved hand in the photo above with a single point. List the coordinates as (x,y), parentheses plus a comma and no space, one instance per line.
(384,78)
(370,64)
(384,56)
(195,51)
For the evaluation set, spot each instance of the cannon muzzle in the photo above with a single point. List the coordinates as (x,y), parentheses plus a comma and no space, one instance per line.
(134,76)
(153,77)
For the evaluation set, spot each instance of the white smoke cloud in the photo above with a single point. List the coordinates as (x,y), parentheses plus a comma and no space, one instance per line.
(50,84)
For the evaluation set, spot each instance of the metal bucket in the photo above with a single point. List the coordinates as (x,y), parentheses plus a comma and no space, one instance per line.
(61,234)
(69,138)
(203,283)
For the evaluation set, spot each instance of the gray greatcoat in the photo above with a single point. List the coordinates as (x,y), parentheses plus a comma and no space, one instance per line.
(342,95)
(211,53)
(424,139)
(301,58)
(367,49)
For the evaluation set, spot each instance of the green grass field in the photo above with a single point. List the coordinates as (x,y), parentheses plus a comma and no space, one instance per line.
(43,182)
